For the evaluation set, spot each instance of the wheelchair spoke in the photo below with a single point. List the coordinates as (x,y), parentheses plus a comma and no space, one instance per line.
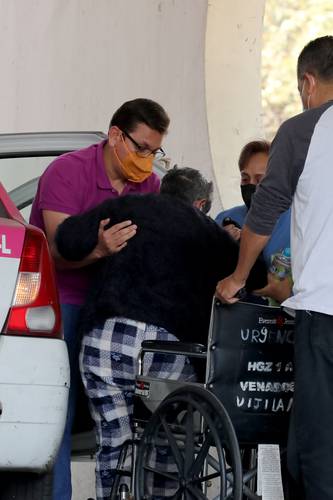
(189,443)
(208,477)
(162,473)
(173,445)
(196,493)
(199,461)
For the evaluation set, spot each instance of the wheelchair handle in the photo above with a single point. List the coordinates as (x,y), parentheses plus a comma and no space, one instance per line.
(173,346)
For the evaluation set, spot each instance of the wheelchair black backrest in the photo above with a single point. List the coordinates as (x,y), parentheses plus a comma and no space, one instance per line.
(250,369)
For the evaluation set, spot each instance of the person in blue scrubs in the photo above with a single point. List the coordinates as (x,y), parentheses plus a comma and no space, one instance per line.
(252,165)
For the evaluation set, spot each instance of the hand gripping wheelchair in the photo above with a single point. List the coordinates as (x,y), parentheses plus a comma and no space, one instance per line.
(200,439)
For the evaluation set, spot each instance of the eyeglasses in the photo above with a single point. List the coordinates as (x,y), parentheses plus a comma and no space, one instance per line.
(143,151)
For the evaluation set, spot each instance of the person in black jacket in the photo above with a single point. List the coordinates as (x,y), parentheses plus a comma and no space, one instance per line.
(160,286)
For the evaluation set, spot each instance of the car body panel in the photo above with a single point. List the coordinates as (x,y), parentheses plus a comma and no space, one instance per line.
(34,385)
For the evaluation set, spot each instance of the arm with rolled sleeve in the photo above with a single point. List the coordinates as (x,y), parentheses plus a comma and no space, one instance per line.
(273,196)
(275,192)
(59,191)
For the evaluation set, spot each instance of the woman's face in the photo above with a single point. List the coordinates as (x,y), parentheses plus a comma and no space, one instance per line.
(255,169)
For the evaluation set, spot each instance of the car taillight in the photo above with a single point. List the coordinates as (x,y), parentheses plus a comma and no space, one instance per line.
(35,309)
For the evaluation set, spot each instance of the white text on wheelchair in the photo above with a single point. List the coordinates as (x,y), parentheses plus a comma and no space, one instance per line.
(270,405)
(264,335)
(270,366)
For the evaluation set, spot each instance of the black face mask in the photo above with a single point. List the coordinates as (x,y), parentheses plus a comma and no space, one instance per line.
(248,191)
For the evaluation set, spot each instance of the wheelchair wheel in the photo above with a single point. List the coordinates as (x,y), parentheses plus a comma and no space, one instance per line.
(189,450)
(249,457)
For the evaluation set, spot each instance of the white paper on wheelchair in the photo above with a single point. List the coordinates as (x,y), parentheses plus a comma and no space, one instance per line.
(269,477)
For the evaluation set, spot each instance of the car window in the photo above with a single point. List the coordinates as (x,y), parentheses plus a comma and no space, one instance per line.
(18,173)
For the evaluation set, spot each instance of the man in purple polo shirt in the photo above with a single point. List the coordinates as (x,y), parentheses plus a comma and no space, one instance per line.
(76,182)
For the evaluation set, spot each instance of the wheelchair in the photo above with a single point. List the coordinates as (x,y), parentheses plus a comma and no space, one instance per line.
(199,440)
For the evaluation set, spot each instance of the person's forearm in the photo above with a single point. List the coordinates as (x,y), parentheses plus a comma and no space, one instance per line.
(62,263)
(251,245)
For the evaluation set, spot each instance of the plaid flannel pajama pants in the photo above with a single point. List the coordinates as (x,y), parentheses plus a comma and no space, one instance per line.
(108,363)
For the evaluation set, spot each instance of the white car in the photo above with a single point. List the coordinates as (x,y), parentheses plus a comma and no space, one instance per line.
(34,368)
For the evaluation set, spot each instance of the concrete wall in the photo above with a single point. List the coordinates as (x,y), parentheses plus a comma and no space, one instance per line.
(233,86)
(68,64)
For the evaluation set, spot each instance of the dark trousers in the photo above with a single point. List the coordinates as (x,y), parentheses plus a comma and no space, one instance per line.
(310,447)
(62,485)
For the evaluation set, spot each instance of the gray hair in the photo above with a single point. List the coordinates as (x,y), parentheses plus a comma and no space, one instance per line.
(188,185)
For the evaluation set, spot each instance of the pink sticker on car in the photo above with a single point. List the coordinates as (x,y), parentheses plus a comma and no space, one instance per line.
(11,240)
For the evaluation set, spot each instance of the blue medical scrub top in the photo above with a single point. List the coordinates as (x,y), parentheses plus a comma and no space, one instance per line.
(280,238)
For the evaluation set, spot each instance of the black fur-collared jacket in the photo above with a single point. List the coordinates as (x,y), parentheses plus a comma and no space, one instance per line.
(167,273)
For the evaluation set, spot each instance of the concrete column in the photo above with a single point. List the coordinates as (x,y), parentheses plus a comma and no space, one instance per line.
(233,86)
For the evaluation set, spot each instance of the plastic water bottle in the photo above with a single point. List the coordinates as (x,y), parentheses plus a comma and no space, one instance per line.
(281,264)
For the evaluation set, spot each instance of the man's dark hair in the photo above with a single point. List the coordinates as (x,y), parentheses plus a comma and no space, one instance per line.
(317,58)
(131,113)
(250,149)
(189,185)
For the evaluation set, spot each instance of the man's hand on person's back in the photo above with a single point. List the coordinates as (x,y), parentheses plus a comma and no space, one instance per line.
(113,239)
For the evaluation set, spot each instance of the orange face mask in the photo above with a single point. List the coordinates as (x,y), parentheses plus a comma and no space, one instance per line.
(133,167)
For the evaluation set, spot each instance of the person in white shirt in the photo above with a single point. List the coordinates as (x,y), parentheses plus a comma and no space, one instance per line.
(300,175)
